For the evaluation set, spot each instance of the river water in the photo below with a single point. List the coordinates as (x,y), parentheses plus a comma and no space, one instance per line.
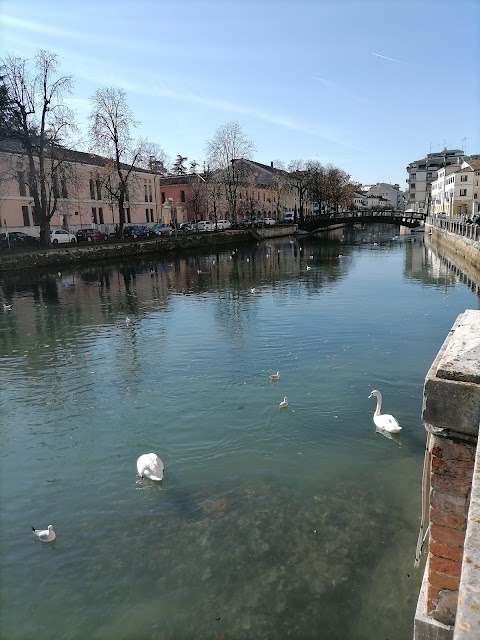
(297,523)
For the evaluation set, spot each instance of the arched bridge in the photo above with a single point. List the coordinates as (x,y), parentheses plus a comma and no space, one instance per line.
(334,220)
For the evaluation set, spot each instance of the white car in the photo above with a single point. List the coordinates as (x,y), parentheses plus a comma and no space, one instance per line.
(265,222)
(60,236)
(204,225)
(223,224)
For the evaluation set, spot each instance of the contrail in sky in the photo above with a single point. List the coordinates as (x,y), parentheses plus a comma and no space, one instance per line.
(387,58)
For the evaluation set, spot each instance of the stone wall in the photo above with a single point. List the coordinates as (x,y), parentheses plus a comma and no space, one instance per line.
(450,484)
(87,253)
(467,249)
(451,414)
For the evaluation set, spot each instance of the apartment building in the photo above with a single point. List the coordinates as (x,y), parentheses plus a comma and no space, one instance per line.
(389,195)
(421,174)
(455,191)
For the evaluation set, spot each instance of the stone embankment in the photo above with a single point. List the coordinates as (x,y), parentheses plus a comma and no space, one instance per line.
(456,238)
(449,601)
(85,253)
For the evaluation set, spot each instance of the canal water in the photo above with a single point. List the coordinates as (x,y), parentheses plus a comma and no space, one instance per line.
(269,523)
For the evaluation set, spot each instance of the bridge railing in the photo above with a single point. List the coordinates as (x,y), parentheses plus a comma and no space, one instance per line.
(470,230)
(412,218)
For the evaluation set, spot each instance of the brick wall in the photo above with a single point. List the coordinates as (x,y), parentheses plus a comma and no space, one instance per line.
(450,485)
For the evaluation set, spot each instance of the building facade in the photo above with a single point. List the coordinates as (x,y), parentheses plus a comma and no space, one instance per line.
(421,174)
(81,190)
(455,191)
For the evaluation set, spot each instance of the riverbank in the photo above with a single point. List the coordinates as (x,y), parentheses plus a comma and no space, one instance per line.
(87,253)
(448,237)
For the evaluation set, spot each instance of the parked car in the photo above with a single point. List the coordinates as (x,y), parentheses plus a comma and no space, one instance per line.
(265,222)
(204,225)
(187,227)
(223,224)
(60,236)
(91,235)
(246,223)
(162,229)
(136,231)
(17,239)
(288,216)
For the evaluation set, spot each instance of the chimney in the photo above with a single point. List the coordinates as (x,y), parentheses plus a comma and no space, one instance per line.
(271,164)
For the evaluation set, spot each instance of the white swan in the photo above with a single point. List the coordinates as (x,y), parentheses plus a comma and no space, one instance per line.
(384,422)
(274,376)
(284,403)
(45,535)
(150,466)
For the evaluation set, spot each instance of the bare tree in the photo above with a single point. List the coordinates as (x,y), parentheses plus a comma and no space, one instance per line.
(337,187)
(198,194)
(298,179)
(111,128)
(317,183)
(224,154)
(38,120)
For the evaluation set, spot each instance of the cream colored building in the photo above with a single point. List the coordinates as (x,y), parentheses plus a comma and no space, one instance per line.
(455,191)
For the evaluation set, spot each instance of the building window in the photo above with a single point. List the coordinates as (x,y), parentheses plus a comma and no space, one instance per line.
(99,189)
(463,178)
(92,189)
(182,196)
(21,183)
(463,192)
(63,182)
(147,215)
(150,193)
(413,176)
(56,193)
(35,218)
(412,186)
(163,197)
(151,215)
(126,194)
(94,215)
(146,195)
(129,219)
(429,174)
(26,218)
(100,215)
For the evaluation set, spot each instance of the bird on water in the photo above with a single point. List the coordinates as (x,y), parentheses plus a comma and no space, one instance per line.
(45,535)
(385,421)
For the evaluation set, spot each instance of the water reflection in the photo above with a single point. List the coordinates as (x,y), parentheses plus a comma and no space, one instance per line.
(268,523)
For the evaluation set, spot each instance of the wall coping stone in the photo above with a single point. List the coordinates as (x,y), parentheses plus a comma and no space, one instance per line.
(451,398)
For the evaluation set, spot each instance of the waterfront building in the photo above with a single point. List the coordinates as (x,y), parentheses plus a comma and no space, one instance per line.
(388,195)
(80,189)
(359,200)
(421,174)
(455,191)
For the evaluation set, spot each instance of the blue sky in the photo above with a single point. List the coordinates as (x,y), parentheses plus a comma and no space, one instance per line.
(368,86)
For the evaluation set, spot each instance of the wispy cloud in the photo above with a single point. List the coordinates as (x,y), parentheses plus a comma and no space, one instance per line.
(340,89)
(379,55)
(157,89)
